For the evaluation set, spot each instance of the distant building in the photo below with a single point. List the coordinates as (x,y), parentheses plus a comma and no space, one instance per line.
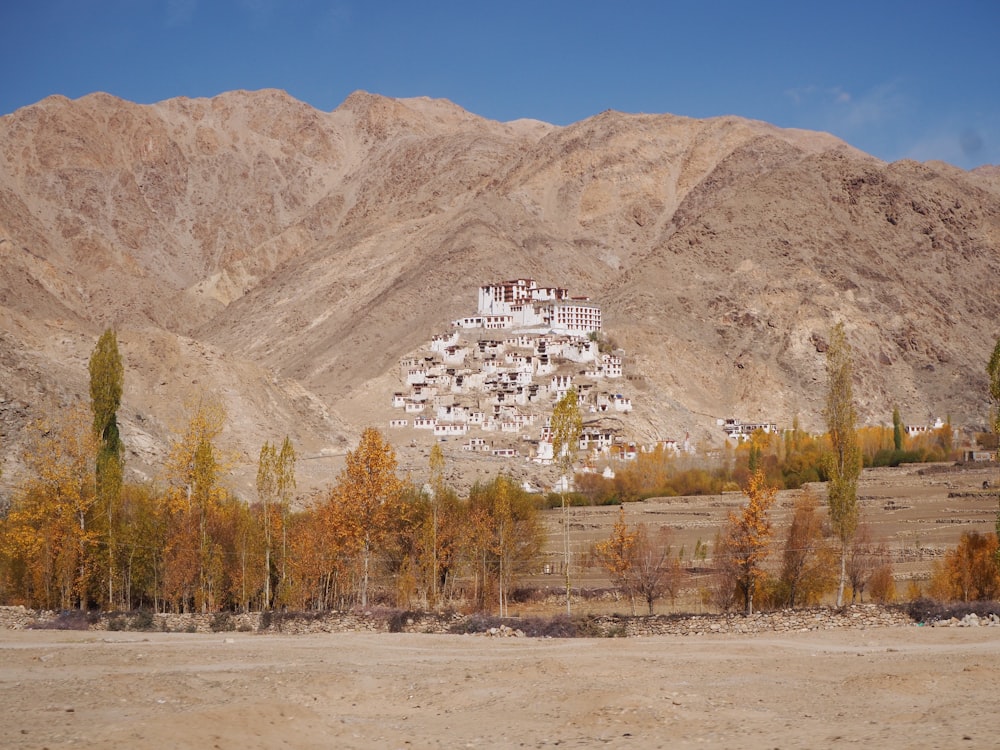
(913,430)
(739,430)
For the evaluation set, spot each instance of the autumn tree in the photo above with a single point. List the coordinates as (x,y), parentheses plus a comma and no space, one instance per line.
(435,524)
(437,491)
(368,489)
(275,483)
(504,538)
(107,378)
(844,461)
(638,563)
(970,571)
(323,545)
(567,426)
(655,571)
(805,567)
(993,371)
(141,543)
(193,560)
(50,534)
(866,560)
(744,543)
(614,554)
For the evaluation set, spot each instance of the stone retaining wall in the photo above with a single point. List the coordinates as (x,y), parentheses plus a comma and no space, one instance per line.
(857,616)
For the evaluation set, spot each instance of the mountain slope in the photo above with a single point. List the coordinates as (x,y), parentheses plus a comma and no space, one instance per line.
(284,259)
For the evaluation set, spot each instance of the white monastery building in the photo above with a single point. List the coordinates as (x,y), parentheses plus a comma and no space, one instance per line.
(523,305)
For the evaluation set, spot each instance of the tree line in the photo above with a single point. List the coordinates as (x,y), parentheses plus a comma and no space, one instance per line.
(76,535)
(821,553)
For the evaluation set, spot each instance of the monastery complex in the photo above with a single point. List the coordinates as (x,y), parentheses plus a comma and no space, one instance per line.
(492,380)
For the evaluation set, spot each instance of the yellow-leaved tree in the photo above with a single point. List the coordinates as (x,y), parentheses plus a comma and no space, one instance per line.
(49,535)
(194,564)
(504,537)
(844,460)
(275,484)
(567,425)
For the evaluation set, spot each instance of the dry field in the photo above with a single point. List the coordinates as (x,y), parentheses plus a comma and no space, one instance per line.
(920,511)
(911,687)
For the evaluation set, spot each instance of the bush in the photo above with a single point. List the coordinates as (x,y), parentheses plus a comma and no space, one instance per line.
(222,622)
(72,619)
(927,610)
(143,620)
(397,620)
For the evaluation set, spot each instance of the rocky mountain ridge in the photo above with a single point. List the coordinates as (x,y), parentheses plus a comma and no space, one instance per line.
(283,260)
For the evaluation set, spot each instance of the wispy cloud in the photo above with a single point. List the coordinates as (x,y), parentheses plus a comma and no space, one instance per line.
(839,109)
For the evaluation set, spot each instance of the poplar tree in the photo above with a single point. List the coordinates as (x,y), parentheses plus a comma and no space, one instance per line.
(267,494)
(993,370)
(193,557)
(107,378)
(844,462)
(567,425)
(897,430)
(437,490)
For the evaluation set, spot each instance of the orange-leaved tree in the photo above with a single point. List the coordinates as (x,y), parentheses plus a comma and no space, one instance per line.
(970,571)
(806,564)
(745,542)
(614,554)
(369,490)
(504,538)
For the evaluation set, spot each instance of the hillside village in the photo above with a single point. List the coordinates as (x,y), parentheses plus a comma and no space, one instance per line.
(492,380)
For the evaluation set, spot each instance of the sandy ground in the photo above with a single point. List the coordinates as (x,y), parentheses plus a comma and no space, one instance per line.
(908,687)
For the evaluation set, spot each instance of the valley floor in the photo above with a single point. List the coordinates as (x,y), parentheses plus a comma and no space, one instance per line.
(917,687)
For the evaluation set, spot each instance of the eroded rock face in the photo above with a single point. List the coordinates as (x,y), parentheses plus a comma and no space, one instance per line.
(284,259)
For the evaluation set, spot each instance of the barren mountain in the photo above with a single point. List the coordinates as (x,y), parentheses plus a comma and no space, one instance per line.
(283,259)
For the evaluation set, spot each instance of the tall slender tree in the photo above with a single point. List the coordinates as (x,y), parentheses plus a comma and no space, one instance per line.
(285,485)
(107,379)
(267,495)
(844,461)
(437,491)
(567,425)
(993,370)
(193,471)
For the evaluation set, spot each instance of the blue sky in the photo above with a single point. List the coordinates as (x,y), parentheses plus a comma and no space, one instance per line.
(898,79)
